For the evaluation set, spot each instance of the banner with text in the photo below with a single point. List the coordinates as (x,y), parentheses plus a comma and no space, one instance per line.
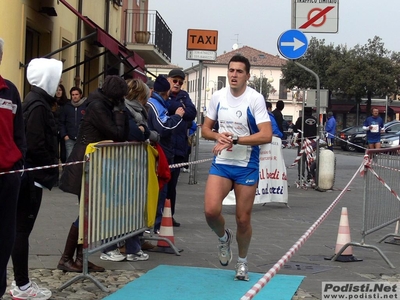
(272,184)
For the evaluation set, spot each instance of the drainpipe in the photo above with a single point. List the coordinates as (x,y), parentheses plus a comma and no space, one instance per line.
(107,25)
(77,78)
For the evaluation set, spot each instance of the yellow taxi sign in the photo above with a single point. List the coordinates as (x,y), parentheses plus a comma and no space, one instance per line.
(200,39)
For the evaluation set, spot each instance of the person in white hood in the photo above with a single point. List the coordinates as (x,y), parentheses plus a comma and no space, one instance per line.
(42,150)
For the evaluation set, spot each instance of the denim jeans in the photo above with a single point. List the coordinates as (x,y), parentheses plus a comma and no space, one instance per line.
(69,145)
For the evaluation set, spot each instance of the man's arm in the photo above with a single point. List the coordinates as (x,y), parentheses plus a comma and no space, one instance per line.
(263,136)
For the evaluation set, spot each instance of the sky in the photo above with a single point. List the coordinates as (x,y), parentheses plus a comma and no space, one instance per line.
(259,23)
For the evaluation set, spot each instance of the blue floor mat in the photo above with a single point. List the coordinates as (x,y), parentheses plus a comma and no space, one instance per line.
(178,283)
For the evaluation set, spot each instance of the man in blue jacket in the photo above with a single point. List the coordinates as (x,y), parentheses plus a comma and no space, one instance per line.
(70,118)
(330,129)
(160,120)
(179,98)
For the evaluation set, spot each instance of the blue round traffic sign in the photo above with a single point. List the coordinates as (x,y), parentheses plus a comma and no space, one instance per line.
(292,44)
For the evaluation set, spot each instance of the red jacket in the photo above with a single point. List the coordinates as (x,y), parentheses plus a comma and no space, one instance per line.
(12,134)
(163,171)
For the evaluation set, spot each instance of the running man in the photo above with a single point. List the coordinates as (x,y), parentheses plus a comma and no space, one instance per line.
(244,124)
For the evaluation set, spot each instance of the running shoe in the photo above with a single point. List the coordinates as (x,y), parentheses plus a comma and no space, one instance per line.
(34,292)
(113,255)
(242,271)
(224,250)
(137,256)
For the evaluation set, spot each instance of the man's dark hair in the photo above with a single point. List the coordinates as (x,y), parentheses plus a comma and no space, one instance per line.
(280,105)
(242,59)
(268,104)
(75,88)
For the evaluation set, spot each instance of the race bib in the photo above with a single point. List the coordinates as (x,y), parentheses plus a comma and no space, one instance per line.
(235,152)
(375,128)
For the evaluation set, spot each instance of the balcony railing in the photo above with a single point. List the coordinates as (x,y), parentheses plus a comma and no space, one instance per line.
(154,24)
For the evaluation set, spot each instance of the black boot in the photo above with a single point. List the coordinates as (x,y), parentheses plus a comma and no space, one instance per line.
(66,262)
(79,261)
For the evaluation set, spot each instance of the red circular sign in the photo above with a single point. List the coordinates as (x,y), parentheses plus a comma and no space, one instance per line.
(323,19)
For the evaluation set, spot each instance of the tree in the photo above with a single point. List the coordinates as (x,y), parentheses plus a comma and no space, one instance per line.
(261,85)
(364,71)
(317,58)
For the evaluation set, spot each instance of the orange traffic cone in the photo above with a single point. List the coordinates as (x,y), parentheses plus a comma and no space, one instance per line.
(344,238)
(167,228)
(166,232)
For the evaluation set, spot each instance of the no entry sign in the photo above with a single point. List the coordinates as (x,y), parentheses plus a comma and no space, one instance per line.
(317,15)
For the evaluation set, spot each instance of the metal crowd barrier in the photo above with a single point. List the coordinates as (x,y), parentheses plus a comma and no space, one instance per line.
(113,199)
(381,195)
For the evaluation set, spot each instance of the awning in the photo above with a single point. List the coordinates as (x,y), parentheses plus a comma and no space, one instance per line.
(128,57)
(341,108)
(351,108)
(381,108)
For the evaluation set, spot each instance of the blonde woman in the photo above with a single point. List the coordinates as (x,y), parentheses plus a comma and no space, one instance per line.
(136,104)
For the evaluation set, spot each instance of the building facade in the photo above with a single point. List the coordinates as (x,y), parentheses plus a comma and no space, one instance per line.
(88,36)
(264,67)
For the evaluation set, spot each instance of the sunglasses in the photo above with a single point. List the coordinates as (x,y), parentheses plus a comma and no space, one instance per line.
(180,82)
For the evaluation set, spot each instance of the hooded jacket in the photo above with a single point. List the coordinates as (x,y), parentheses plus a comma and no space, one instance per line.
(40,125)
(12,137)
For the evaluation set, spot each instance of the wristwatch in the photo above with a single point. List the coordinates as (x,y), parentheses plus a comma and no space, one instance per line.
(235,139)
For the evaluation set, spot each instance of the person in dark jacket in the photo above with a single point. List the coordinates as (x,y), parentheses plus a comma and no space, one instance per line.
(105,119)
(179,98)
(42,150)
(135,100)
(160,120)
(310,131)
(70,118)
(12,152)
(277,112)
(61,100)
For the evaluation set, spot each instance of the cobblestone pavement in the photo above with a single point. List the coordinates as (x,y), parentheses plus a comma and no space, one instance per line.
(83,289)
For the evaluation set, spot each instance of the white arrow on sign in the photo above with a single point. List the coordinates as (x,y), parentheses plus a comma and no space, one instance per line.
(296,44)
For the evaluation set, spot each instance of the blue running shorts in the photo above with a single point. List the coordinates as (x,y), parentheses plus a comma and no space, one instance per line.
(241,175)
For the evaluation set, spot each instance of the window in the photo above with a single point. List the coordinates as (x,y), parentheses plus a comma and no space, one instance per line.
(221,82)
(282,90)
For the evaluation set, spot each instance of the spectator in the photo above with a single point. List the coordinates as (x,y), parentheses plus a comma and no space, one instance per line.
(275,127)
(179,98)
(42,150)
(278,115)
(150,85)
(330,129)
(136,105)
(373,125)
(136,98)
(70,118)
(61,100)
(164,123)
(310,131)
(105,119)
(12,151)
(238,168)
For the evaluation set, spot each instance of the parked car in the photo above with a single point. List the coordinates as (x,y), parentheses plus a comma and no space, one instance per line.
(389,141)
(346,133)
(391,136)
